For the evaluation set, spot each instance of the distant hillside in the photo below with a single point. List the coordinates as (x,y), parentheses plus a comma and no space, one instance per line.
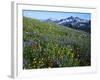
(51,45)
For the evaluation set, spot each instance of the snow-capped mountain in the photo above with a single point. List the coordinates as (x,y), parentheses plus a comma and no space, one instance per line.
(73,22)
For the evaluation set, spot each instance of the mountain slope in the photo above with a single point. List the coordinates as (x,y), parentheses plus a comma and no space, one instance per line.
(51,45)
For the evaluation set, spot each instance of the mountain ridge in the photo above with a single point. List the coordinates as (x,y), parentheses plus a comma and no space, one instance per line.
(72,22)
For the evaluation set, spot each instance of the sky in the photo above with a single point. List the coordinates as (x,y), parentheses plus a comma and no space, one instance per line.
(42,15)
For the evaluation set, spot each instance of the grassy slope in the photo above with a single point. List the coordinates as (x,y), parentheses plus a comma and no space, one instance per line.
(56,46)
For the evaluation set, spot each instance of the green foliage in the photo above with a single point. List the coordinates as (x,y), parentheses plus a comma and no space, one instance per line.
(48,45)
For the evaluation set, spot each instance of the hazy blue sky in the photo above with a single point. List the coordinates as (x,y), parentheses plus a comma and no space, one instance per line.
(56,15)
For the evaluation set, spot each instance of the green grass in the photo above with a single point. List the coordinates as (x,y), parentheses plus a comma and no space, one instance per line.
(53,45)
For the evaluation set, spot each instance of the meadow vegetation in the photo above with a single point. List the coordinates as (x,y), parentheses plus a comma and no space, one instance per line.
(49,45)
